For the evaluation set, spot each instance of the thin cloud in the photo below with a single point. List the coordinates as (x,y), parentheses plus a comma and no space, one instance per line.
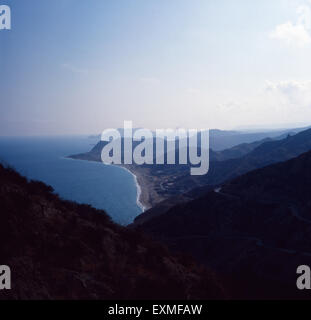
(296,93)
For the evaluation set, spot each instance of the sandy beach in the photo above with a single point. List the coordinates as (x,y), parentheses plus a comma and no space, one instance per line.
(146,186)
(139,191)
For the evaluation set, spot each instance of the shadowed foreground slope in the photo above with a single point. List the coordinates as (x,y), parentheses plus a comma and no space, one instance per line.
(61,250)
(255,230)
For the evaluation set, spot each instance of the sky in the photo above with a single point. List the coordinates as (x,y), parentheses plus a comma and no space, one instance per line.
(79,67)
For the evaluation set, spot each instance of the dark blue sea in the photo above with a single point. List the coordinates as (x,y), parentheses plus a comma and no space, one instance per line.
(43,158)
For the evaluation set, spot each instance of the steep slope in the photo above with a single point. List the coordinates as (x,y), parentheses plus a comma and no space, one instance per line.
(255,228)
(61,250)
(266,153)
(237,151)
(263,154)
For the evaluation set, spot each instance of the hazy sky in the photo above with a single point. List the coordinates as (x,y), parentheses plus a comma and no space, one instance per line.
(77,66)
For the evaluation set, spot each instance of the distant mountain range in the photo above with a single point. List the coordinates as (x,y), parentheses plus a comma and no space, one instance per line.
(162,182)
(220,140)
(224,139)
(262,153)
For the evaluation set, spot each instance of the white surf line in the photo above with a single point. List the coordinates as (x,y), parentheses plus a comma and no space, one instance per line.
(138,187)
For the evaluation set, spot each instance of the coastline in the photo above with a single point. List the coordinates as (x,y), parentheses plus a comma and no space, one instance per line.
(138,187)
(142,186)
(148,196)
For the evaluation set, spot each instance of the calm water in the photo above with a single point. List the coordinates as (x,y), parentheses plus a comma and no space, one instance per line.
(104,187)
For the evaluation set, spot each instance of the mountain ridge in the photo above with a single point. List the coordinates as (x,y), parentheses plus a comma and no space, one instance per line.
(263,154)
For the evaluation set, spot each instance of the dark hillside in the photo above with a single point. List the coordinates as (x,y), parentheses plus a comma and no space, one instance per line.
(254,229)
(61,250)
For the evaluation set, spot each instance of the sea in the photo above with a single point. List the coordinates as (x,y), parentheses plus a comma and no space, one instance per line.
(110,188)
